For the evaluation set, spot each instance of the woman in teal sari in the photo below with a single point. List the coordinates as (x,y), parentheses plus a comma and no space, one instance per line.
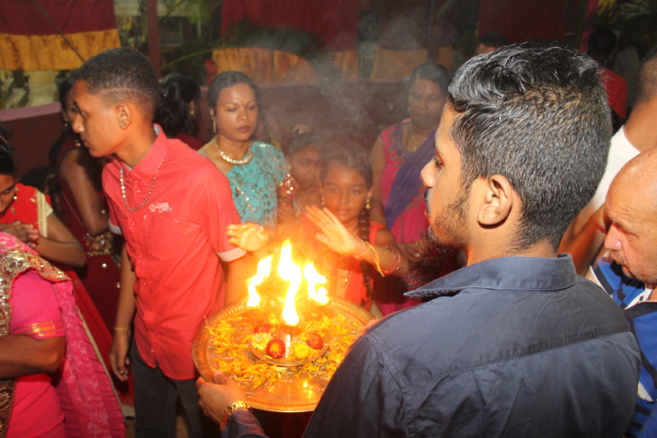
(254,169)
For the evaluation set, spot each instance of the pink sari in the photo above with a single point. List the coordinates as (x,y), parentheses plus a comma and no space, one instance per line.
(84,389)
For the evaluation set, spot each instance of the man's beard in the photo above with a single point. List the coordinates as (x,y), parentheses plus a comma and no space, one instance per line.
(451,227)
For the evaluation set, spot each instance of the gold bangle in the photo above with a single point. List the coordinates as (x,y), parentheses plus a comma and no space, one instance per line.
(230,409)
(120,329)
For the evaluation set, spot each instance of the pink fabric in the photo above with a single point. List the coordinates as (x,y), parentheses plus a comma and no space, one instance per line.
(33,300)
(412,223)
(410,226)
(84,389)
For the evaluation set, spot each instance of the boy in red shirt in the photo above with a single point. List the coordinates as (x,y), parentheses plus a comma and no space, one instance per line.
(172,206)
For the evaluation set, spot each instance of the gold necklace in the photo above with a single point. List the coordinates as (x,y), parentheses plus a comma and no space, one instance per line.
(150,192)
(244,160)
(407,141)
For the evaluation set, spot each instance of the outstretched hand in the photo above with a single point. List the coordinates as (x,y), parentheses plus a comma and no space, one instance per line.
(248,236)
(333,233)
(216,397)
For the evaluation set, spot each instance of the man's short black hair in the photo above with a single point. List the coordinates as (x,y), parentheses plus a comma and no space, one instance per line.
(122,75)
(539,117)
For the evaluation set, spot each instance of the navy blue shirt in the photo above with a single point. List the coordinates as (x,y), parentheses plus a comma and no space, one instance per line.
(514,347)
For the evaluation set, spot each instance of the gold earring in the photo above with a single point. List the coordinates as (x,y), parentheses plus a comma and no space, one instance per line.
(367,205)
(214,126)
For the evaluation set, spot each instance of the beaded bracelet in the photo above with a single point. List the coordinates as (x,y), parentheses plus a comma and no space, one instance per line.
(230,409)
(397,257)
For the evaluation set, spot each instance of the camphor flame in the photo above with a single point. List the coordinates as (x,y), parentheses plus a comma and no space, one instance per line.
(313,278)
(289,271)
(264,269)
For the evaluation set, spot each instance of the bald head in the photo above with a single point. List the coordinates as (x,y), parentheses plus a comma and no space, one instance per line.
(638,179)
(631,206)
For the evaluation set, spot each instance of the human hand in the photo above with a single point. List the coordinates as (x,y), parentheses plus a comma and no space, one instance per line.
(248,236)
(216,397)
(118,354)
(333,233)
(413,252)
(26,233)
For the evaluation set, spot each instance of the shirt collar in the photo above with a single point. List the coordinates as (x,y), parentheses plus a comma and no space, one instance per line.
(155,155)
(508,273)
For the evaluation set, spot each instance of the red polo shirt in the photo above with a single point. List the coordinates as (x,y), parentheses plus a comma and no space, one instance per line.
(173,242)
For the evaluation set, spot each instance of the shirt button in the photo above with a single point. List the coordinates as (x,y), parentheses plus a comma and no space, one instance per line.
(133,224)
(141,255)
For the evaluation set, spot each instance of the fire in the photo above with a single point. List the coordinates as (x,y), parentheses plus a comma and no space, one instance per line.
(264,268)
(314,278)
(291,272)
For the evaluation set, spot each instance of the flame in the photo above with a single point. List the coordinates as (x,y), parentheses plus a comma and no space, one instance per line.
(264,268)
(289,271)
(313,278)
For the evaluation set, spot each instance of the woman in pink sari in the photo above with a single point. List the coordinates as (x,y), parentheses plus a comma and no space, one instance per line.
(41,335)
(398,156)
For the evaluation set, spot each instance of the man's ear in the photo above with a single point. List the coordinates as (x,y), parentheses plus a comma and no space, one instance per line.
(124,114)
(499,196)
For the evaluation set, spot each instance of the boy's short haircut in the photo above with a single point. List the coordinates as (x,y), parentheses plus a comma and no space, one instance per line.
(122,75)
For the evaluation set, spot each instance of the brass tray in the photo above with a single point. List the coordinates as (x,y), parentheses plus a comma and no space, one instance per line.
(290,392)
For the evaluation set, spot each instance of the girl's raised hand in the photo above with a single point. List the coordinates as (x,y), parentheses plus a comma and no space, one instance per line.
(248,236)
(332,233)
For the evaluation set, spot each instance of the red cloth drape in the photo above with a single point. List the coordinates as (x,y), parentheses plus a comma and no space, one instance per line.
(30,40)
(335,22)
(521,20)
(71,16)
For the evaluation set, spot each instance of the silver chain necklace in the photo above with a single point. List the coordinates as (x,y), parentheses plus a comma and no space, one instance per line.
(244,160)
(150,192)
